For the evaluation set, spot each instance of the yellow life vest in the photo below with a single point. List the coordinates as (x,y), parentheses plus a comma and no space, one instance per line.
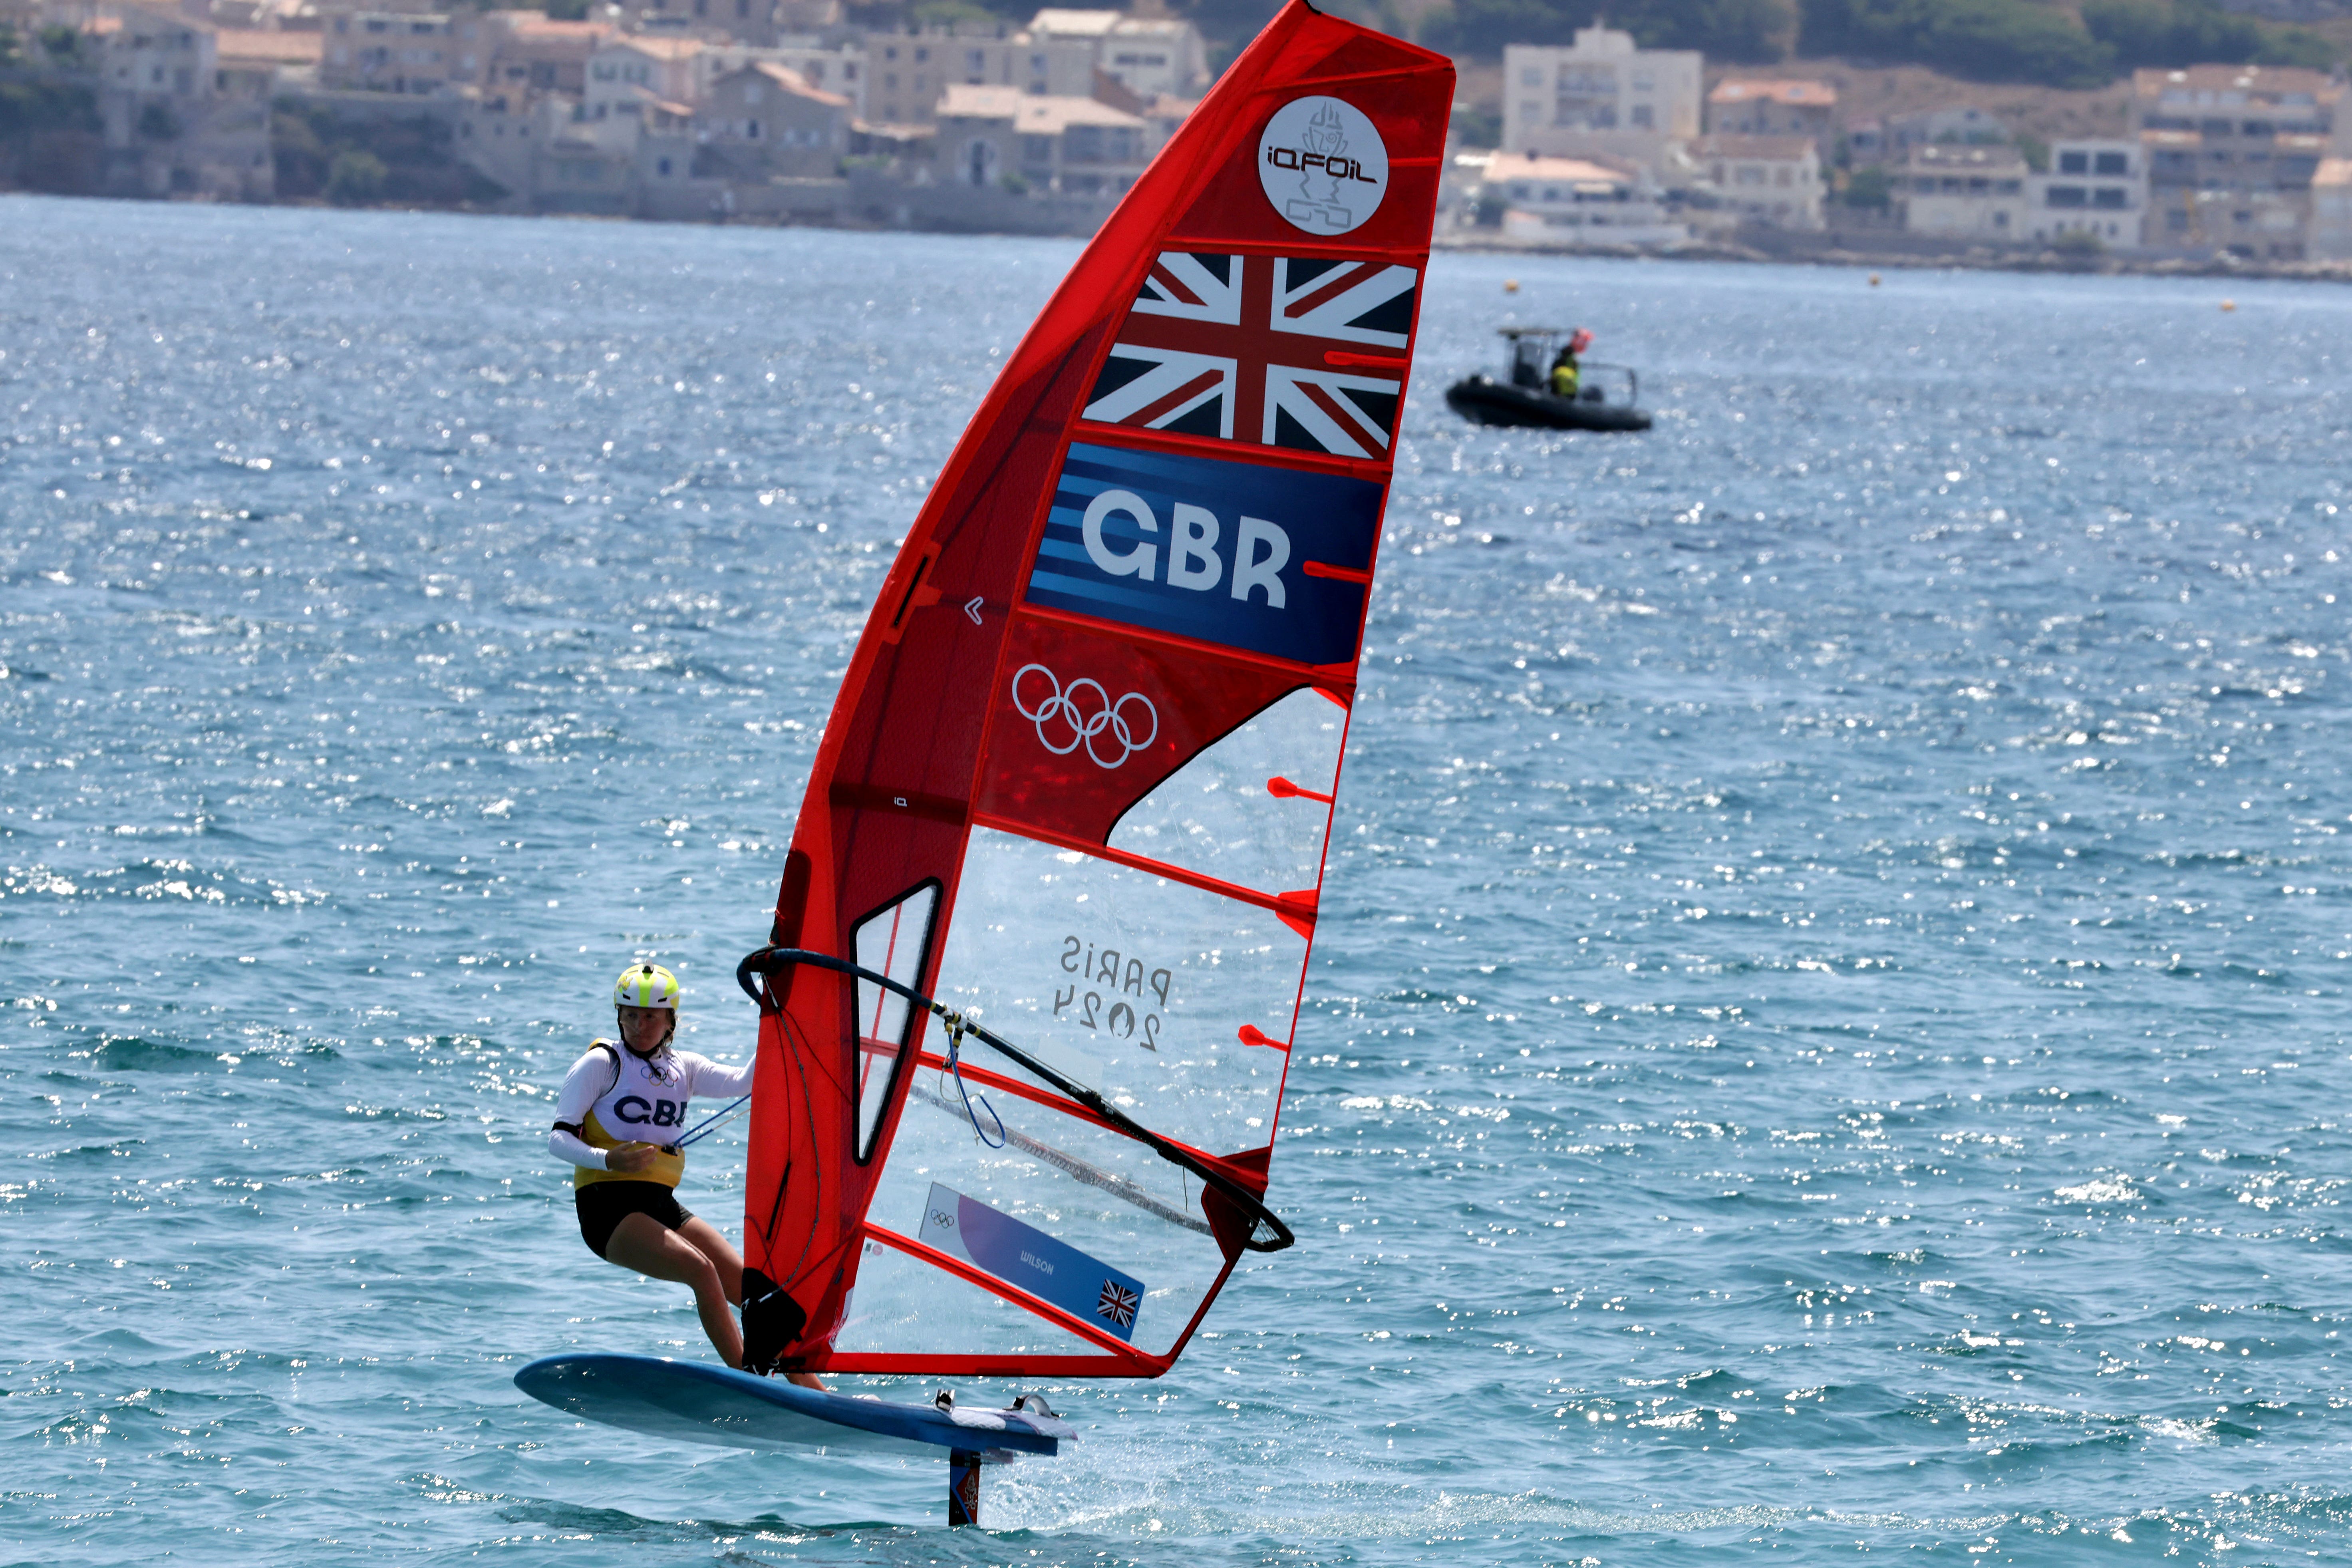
(631,1103)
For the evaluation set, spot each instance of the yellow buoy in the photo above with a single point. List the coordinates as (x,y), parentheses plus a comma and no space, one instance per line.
(1873,279)
(2229,304)
(1510,285)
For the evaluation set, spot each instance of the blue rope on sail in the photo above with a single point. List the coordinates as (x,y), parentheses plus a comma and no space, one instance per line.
(955,1070)
(713,1120)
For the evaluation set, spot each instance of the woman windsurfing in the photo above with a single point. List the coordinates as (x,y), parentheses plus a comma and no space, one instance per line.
(626,1187)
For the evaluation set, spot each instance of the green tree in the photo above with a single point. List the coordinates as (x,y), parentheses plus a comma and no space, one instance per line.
(2297,47)
(1982,40)
(63,45)
(1483,27)
(355,178)
(2172,33)
(298,150)
(1872,188)
(1478,127)
(1752,31)
(29,107)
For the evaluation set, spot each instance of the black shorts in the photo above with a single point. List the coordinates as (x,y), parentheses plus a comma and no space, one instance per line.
(604,1204)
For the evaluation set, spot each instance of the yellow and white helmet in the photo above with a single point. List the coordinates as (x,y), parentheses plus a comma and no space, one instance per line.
(645,985)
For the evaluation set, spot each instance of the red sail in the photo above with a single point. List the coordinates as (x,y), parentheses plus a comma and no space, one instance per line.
(1079,778)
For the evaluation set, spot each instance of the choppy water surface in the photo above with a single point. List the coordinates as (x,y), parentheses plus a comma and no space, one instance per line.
(1828,1033)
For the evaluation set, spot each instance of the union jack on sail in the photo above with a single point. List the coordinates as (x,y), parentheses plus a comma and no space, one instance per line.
(1276,351)
(1118,1304)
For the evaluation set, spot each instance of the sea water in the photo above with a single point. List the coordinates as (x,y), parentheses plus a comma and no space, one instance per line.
(1827,1034)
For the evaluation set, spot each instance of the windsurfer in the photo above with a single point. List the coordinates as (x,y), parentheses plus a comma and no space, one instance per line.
(626,1188)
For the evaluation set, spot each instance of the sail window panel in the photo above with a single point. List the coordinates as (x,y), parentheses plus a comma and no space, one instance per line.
(894,941)
(1118,1218)
(1131,982)
(902,1306)
(1218,815)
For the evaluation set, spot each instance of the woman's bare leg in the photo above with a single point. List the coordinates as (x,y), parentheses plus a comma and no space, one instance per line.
(706,1239)
(713,1246)
(645,1244)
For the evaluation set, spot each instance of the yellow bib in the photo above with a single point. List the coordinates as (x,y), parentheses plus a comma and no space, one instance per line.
(652,1111)
(668,1169)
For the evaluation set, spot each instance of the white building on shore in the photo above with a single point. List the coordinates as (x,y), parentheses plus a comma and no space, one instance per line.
(1578,202)
(1002,137)
(1770,180)
(1958,192)
(2097,189)
(1600,96)
(1146,55)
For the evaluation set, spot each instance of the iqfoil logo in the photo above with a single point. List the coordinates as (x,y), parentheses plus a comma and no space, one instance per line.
(1323,164)
(1271,560)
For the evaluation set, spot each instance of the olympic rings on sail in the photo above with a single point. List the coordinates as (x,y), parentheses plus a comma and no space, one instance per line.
(1085,711)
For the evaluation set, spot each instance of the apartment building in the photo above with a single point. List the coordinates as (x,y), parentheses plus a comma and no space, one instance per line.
(628,69)
(1146,55)
(1600,95)
(1959,192)
(2232,151)
(1891,140)
(906,72)
(713,21)
(835,68)
(1001,136)
(1770,180)
(258,64)
(1775,107)
(173,120)
(2239,107)
(766,120)
(2097,189)
(500,134)
(1578,201)
(387,51)
(157,53)
(526,50)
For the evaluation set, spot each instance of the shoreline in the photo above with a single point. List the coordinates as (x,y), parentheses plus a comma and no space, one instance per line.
(1976,258)
(1800,253)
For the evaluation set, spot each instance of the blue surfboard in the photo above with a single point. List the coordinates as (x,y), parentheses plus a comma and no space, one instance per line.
(695,1402)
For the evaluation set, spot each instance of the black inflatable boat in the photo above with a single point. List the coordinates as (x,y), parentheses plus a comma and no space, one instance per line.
(1607,398)
(1492,402)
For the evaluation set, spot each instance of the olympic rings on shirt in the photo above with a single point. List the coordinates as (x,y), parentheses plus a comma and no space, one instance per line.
(1085,710)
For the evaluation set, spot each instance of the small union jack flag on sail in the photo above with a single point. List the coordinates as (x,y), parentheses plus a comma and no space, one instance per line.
(1117,1303)
(1275,350)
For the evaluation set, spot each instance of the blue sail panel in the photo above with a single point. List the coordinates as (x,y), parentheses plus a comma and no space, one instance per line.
(1020,1254)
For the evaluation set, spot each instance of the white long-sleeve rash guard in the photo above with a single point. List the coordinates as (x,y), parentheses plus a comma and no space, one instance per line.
(646,1101)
